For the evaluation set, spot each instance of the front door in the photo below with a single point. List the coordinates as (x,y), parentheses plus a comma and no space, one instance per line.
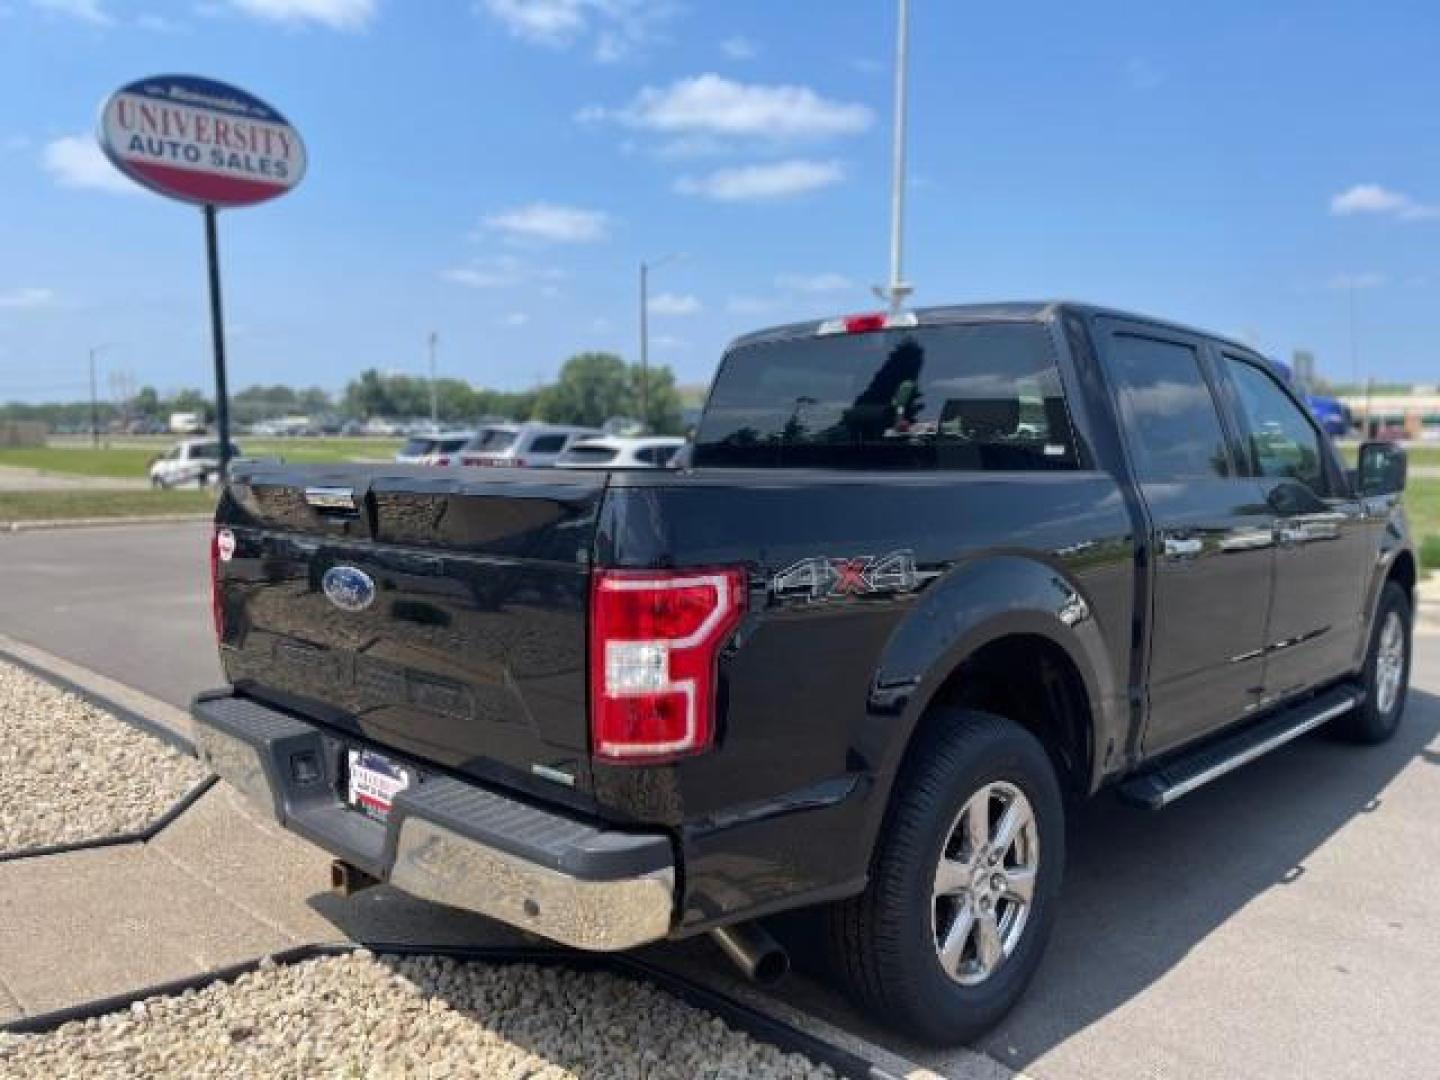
(1316,611)
(1210,537)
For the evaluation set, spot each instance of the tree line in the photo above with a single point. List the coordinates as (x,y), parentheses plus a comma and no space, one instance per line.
(592,387)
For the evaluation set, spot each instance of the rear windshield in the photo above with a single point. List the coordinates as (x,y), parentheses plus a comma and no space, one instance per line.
(983,396)
(591,454)
(417,447)
(492,441)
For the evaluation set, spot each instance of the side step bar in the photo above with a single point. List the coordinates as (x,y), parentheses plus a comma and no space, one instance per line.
(1196,768)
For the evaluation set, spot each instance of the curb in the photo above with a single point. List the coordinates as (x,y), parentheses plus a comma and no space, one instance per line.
(90,523)
(152,716)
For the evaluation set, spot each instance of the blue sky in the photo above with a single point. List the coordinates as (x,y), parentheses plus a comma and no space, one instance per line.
(494,170)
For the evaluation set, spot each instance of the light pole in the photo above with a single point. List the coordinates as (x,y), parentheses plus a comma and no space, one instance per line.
(95,350)
(645,268)
(898,289)
(434,394)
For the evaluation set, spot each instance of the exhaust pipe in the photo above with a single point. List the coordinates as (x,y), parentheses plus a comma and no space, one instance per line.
(347,880)
(750,947)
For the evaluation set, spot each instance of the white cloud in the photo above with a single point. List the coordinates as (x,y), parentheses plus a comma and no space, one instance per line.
(739,48)
(1366,280)
(336,14)
(617,28)
(666,341)
(1374,199)
(500,272)
(90,11)
(1142,74)
(675,304)
(750,305)
(815,283)
(552,223)
(26,298)
(158,24)
(75,161)
(515,319)
(757,183)
(716,106)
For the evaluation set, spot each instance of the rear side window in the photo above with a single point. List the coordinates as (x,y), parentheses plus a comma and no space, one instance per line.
(1166,410)
(984,396)
(492,441)
(597,455)
(548,444)
(657,455)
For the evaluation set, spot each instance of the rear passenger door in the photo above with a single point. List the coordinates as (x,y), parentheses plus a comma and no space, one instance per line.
(1209,543)
(1322,539)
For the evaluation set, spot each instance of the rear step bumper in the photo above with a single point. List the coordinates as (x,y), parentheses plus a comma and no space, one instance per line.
(445,840)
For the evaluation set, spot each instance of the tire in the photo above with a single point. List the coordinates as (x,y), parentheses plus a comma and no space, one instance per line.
(1378,717)
(884,943)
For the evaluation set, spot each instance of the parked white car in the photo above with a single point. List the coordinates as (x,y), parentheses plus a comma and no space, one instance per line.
(189,463)
(621,452)
(528,445)
(437,449)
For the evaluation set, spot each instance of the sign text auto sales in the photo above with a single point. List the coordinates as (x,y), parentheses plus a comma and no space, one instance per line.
(185,136)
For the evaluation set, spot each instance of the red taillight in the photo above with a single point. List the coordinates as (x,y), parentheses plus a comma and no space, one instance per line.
(654,640)
(222,549)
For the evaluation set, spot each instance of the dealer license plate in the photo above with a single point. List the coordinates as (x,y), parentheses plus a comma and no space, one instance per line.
(373,783)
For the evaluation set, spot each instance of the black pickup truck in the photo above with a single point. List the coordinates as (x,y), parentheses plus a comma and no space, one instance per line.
(924,580)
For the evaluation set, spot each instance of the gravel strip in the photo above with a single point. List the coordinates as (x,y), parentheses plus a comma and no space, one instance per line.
(74,772)
(362,1016)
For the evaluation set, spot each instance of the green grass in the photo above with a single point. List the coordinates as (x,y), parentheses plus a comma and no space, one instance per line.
(117,461)
(59,505)
(131,457)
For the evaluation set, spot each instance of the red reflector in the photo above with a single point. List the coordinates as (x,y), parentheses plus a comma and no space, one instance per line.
(654,640)
(865,324)
(217,610)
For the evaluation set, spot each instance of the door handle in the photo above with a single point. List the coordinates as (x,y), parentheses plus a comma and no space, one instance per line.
(1183,547)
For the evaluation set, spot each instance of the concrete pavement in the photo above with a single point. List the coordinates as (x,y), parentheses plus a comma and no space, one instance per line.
(130,602)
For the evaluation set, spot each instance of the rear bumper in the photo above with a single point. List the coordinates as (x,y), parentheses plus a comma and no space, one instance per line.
(449,841)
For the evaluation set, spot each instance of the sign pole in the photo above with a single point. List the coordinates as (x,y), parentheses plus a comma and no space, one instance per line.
(217,331)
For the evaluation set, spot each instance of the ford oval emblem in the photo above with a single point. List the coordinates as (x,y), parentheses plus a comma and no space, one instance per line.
(348,589)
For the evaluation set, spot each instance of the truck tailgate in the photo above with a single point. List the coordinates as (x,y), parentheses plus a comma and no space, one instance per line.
(437,612)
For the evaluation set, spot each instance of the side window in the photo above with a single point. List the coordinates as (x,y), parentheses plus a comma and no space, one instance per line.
(1166,408)
(1283,444)
(548,444)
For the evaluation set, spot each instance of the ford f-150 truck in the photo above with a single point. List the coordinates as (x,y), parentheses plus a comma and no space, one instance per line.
(924,580)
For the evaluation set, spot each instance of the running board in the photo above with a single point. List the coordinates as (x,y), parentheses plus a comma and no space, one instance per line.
(1196,768)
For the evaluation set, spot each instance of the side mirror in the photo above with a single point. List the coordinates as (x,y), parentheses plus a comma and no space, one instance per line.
(1383,466)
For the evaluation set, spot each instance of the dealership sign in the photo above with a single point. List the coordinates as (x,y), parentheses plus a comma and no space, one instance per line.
(201,141)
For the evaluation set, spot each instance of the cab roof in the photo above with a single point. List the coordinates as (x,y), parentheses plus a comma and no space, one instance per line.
(1003,311)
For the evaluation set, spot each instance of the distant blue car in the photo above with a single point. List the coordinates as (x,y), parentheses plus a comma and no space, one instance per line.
(1332,413)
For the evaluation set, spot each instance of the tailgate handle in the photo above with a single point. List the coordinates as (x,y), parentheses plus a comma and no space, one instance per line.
(332,500)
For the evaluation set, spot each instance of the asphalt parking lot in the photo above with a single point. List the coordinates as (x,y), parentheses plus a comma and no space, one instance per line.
(1284,922)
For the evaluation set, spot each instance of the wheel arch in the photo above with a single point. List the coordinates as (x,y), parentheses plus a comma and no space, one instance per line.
(1007,610)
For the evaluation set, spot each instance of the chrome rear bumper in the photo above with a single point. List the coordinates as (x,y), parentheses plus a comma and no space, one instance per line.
(446,840)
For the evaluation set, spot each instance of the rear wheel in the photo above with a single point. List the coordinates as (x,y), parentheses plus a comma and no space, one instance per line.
(1386,675)
(962,895)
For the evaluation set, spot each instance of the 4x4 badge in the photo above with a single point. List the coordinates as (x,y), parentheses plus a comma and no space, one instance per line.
(821,578)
